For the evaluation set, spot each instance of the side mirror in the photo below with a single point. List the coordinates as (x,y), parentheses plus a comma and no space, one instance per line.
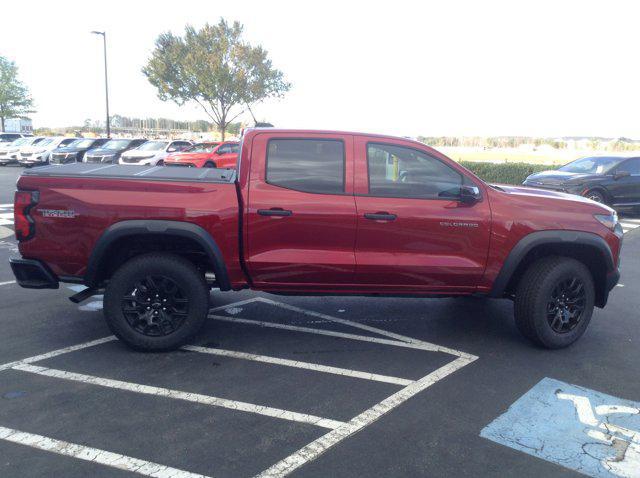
(172,150)
(470,194)
(621,174)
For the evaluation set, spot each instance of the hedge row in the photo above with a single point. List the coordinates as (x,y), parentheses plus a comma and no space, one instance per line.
(505,173)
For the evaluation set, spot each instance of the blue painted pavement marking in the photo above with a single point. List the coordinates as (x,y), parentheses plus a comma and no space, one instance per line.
(581,429)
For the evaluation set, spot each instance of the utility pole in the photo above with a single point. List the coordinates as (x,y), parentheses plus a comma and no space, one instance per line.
(106,82)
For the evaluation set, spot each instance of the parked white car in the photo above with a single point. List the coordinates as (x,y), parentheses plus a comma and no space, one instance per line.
(40,153)
(10,152)
(7,138)
(153,153)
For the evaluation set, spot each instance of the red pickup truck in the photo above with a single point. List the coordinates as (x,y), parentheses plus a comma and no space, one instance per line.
(317,213)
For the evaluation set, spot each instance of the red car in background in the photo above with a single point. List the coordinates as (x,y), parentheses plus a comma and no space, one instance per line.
(207,155)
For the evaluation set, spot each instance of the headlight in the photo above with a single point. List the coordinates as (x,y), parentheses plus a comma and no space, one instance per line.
(609,221)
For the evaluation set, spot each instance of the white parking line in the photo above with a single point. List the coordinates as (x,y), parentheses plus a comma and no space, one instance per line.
(7,282)
(95,455)
(55,353)
(304,365)
(358,325)
(331,333)
(177,394)
(314,449)
(339,430)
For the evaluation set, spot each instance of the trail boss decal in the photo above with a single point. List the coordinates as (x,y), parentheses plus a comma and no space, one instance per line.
(64,213)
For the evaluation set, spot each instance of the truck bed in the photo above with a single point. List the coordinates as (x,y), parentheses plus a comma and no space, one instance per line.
(148,173)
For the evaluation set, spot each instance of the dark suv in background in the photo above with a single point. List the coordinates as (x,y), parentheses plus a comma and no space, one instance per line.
(111,151)
(610,180)
(74,152)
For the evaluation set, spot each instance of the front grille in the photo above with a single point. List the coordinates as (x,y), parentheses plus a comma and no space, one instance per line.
(26,155)
(62,157)
(131,160)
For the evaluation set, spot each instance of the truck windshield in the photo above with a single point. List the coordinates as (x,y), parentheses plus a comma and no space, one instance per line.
(595,165)
(152,146)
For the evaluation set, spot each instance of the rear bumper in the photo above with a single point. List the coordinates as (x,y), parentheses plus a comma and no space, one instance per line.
(33,274)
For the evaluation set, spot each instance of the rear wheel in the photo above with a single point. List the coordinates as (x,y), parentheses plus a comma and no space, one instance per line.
(554,302)
(209,164)
(160,163)
(156,302)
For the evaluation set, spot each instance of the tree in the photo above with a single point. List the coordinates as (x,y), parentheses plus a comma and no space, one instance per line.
(15,100)
(215,68)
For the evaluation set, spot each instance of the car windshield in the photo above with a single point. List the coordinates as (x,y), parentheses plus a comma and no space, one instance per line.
(45,142)
(20,141)
(80,143)
(153,146)
(203,148)
(7,137)
(117,144)
(595,165)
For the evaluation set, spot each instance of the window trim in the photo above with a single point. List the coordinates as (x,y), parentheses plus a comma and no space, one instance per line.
(344,165)
(462,176)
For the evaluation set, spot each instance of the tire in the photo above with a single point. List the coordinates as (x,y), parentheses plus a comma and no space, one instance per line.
(596,196)
(159,318)
(209,164)
(160,163)
(537,313)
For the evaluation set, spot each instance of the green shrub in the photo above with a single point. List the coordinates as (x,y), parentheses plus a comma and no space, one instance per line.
(505,173)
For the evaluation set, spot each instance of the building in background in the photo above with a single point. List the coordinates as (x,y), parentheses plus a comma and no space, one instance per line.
(18,125)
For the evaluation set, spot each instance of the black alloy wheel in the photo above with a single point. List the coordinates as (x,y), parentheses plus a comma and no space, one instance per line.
(566,305)
(157,306)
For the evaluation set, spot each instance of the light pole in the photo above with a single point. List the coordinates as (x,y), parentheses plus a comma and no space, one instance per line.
(106,84)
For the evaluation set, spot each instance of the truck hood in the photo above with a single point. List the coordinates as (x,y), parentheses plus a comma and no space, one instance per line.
(556,178)
(545,193)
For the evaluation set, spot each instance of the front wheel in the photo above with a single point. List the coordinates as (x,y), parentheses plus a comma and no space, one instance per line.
(554,302)
(596,196)
(156,302)
(209,164)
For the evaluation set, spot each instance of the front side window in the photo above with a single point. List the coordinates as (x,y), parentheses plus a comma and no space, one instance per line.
(396,171)
(308,165)
(631,166)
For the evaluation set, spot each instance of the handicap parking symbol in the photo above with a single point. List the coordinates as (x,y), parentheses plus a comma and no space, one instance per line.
(581,429)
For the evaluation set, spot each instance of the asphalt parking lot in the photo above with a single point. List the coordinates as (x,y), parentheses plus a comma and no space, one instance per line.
(311,387)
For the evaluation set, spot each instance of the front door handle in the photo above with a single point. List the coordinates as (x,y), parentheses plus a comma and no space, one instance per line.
(380,216)
(275,211)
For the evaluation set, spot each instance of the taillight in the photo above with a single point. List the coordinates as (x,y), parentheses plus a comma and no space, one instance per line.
(23,203)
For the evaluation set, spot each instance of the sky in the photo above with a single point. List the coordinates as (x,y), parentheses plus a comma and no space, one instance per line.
(409,68)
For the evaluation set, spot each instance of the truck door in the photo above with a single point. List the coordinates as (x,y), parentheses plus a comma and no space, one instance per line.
(414,233)
(301,214)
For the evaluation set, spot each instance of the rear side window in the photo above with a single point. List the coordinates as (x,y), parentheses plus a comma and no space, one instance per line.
(308,165)
(631,166)
(396,171)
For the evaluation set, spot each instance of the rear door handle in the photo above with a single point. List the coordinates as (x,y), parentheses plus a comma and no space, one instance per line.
(275,211)
(380,216)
